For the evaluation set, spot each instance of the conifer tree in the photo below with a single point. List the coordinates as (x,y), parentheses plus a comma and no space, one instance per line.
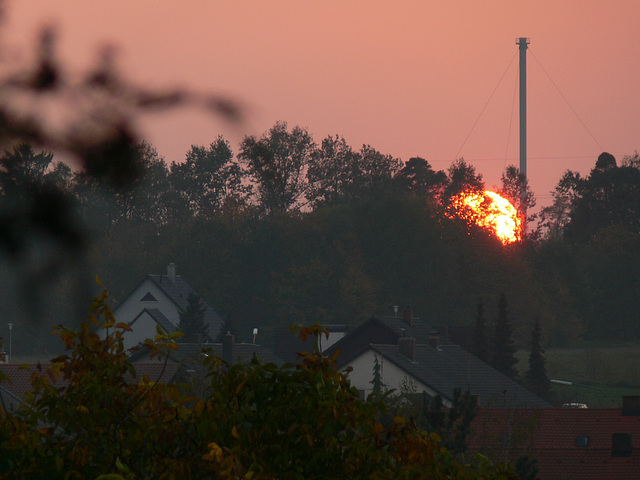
(192,320)
(503,358)
(228,326)
(479,345)
(377,376)
(536,377)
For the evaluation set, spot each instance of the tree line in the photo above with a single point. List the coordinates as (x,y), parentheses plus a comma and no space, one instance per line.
(289,231)
(282,172)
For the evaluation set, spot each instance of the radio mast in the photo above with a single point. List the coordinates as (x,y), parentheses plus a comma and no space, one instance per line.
(522,42)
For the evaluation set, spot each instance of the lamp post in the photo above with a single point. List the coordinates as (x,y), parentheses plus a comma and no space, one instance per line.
(10,328)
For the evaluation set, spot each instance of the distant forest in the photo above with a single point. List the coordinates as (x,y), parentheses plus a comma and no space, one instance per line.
(287,230)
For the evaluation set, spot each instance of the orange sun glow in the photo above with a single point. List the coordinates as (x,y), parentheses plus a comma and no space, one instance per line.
(492,211)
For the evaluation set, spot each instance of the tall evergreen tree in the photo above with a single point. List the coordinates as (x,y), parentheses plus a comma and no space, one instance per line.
(451,424)
(377,376)
(192,320)
(503,358)
(227,327)
(536,377)
(479,345)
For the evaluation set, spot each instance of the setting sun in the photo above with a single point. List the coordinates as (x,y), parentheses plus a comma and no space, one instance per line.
(492,211)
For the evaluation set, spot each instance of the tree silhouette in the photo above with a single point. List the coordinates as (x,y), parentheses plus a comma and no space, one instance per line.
(418,178)
(277,163)
(208,179)
(462,177)
(536,377)
(377,376)
(479,345)
(515,187)
(503,358)
(451,424)
(192,320)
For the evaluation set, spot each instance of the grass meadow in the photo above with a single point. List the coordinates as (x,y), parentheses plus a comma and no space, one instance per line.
(600,376)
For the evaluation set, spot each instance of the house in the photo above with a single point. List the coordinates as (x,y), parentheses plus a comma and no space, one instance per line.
(567,443)
(158,300)
(190,359)
(191,355)
(410,354)
(16,385)
(287,345)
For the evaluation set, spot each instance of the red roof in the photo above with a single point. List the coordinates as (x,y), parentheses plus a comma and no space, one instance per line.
(568,443)
(19,381)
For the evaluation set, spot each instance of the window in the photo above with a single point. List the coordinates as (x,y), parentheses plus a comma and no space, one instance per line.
(621,445)
(582,441)
(148,298)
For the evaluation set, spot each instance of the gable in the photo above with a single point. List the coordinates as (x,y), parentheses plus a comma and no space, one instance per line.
(169,297)
(358,339)
(148,298)
(379,330)
(144,326)
(141,298)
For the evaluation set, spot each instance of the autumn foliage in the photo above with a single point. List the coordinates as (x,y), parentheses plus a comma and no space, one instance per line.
(88,419)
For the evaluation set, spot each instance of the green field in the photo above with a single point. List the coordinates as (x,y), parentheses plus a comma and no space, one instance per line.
(601,376)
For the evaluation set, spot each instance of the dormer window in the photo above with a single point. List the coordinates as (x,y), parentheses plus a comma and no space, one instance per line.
(148,298)
(582,441)
(621,445)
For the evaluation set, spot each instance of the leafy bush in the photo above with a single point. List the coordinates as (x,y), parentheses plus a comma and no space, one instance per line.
(89,416)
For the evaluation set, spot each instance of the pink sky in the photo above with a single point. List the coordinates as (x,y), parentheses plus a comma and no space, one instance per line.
(408,77)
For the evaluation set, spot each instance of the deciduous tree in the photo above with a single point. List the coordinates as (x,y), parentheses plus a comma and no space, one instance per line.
(208,179)
(462,177)
(515,188)
(277,163)
(338,174)
(418,178)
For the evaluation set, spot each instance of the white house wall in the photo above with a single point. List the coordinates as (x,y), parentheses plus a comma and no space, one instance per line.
(392,377)
(333,338)
(143,328)
(131,307)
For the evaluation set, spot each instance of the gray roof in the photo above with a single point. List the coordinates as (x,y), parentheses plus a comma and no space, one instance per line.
(159,318)
(382,330)
(418,329)
(179,293)
(8,400)
(443,367)
(287,345)
(447,367)
(189,354)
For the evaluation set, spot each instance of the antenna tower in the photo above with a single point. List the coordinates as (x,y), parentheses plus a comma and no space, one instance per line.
(522,42)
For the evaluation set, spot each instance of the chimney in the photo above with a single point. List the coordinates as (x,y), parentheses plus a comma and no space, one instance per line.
(407,315)
(171,272)
(433,340)
(631,405)
(228,347)
(407,347)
